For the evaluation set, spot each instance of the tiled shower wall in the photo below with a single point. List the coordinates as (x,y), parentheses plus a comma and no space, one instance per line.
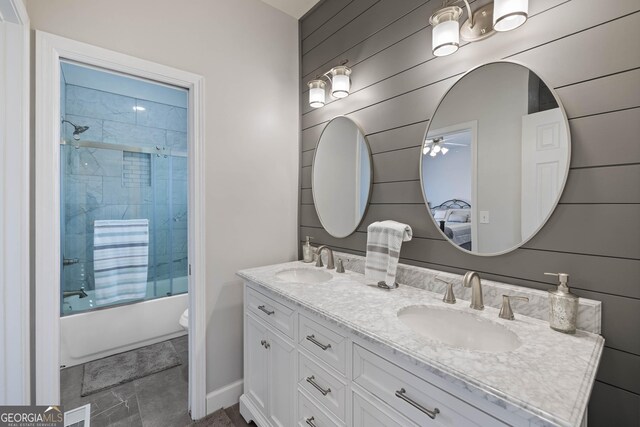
(113,184)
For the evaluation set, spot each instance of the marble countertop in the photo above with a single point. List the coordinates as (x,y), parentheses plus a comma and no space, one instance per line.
(548,379)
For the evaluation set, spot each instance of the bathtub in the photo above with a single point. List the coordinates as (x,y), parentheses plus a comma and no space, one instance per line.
(91,335)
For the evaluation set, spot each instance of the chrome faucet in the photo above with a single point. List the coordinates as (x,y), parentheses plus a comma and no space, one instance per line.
(80,292)
(472,280)
(330,264)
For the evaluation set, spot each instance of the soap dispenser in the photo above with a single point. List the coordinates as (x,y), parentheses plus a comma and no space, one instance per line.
(307,251)
(563,306)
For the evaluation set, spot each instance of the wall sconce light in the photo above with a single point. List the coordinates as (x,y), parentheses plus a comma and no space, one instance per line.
(445,33)
(509,14)
(316,93)
(500,15)
(340,80)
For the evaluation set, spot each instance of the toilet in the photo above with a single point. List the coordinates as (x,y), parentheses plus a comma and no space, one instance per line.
(184,320)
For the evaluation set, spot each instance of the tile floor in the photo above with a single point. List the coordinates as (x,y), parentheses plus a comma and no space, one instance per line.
(157,400)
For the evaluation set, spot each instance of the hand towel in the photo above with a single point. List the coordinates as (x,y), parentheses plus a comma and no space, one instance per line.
(384,240)
(120,259)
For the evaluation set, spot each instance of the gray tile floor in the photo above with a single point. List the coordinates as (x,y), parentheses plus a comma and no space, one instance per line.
(156,400)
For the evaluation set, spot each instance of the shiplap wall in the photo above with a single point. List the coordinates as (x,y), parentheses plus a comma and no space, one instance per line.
(589,51)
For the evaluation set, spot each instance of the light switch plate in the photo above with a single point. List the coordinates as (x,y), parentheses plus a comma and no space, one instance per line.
(484,217)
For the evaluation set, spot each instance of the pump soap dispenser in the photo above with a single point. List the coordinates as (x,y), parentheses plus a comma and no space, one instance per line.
(307,251)
(563,306)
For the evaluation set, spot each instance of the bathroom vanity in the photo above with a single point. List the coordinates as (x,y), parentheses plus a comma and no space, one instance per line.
(330,349)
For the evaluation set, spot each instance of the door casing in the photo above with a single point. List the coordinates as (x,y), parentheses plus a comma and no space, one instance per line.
(50,49)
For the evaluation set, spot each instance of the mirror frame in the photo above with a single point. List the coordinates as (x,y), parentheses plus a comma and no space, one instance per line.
(566,173)
(313,164)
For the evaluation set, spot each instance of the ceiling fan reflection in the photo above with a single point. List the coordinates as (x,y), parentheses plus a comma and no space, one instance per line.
(433,146)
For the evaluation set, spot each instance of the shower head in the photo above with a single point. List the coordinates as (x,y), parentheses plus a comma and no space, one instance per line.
(77,130)
(80,129)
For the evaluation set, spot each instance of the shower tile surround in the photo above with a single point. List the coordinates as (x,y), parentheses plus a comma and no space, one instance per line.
(110,184)
(546,381)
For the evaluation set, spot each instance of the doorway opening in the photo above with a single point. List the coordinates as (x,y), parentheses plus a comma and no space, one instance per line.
(119,224)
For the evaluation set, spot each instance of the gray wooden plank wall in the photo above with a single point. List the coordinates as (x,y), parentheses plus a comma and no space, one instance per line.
(589,51)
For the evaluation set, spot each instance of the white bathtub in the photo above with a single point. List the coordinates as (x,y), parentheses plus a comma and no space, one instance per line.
(95,334)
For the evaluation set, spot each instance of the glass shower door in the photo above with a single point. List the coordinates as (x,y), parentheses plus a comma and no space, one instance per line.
(123,175)
(170,222)
(179,222)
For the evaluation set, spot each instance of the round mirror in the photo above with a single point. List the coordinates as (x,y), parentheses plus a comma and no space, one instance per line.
(495,158)
(341,177)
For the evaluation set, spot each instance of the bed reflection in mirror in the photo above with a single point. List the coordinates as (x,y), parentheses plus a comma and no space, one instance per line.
(495,158)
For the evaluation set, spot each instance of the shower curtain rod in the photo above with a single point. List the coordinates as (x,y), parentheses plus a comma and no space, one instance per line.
(160,151)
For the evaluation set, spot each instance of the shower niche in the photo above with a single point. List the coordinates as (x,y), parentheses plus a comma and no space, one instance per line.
(123,159)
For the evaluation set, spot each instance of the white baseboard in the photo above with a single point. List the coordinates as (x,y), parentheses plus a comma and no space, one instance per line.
(224,397)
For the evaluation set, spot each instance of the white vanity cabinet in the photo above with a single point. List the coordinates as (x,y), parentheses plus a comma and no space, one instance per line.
(300,370)
(269,358)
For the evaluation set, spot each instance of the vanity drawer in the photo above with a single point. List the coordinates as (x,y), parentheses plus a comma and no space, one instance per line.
(271,311)
(310,415)
(329,390)
(369,413)
(322,342)
(412,396)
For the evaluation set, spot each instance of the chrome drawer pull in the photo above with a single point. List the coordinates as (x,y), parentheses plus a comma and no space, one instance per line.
(431,414)
(269,313)
(312,338)
(311,381)
(310,422)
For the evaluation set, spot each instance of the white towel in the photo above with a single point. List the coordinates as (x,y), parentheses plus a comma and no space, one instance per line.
(120,259)
(384,240)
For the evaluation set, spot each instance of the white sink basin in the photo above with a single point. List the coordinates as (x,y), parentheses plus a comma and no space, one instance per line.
(459,329)
(304,275)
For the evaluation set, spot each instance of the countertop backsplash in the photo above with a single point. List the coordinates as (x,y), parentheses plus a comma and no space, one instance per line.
(589,311)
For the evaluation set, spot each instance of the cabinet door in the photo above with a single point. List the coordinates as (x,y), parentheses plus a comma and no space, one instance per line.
(257,356)
(281,381)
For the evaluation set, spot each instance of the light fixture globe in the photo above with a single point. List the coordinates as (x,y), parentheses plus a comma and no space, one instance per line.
(316,93)
(445,37)
(509,14)
(340,81)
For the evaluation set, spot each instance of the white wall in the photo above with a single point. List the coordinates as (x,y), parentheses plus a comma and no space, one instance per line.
(248,53)
(447,177)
